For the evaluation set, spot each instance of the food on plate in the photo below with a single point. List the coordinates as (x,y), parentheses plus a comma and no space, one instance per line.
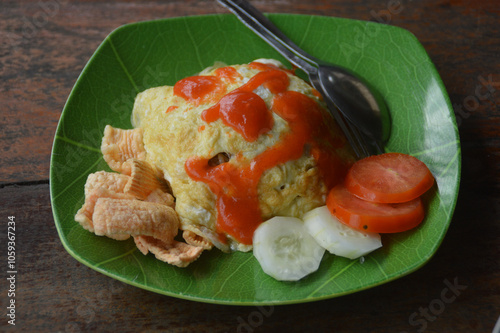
(338,238)
(382,194)
(389,178)
(175,253)
(121,218)
(224,150)
(285,250)
(241,144)
(135,202)
(246,157)
(371,216)
(119,146)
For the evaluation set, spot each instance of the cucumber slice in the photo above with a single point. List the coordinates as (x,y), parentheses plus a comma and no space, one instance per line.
(338,238)
(285,250)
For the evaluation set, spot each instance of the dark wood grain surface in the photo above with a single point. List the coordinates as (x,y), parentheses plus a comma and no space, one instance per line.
(44,46)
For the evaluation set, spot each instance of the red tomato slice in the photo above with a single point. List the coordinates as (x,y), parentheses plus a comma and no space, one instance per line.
(389,178)
(374,217)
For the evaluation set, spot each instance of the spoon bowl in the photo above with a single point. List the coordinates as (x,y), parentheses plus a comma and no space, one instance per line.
(360,110)
(360,104)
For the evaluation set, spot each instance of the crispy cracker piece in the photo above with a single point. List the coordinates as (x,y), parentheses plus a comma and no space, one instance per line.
(111,181)
(174,253)
(144,179)
(158,196)
(141,244)
(121,218)
(118,146)
(84,214)
(196,240)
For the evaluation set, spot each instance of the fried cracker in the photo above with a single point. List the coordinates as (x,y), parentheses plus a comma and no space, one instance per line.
(121,218)
(174,253)
(158,196)
(196,240)
(144,179)
(84,214)
(118,146)
(111,181)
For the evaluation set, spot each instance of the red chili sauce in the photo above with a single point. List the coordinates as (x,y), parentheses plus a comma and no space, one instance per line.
(236,186)
(200,89)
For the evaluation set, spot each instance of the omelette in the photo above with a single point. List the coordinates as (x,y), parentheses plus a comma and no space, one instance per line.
(241,144)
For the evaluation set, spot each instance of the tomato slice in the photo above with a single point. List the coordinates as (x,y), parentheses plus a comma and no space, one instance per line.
(374,217)
(389,178)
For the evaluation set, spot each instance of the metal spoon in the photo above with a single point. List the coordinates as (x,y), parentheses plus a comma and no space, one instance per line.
(362,106)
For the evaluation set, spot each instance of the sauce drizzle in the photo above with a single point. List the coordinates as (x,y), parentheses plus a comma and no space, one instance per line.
(228,73)
(235,185)
(200,89)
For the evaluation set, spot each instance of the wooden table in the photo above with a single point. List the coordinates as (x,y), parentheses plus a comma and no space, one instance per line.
(44,46)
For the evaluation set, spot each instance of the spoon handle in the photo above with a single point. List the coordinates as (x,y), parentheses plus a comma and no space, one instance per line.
(263,27)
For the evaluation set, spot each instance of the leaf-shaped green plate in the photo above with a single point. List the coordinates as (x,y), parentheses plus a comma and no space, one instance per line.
(143,55)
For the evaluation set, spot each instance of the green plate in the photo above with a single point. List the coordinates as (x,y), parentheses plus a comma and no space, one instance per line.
(142,55)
